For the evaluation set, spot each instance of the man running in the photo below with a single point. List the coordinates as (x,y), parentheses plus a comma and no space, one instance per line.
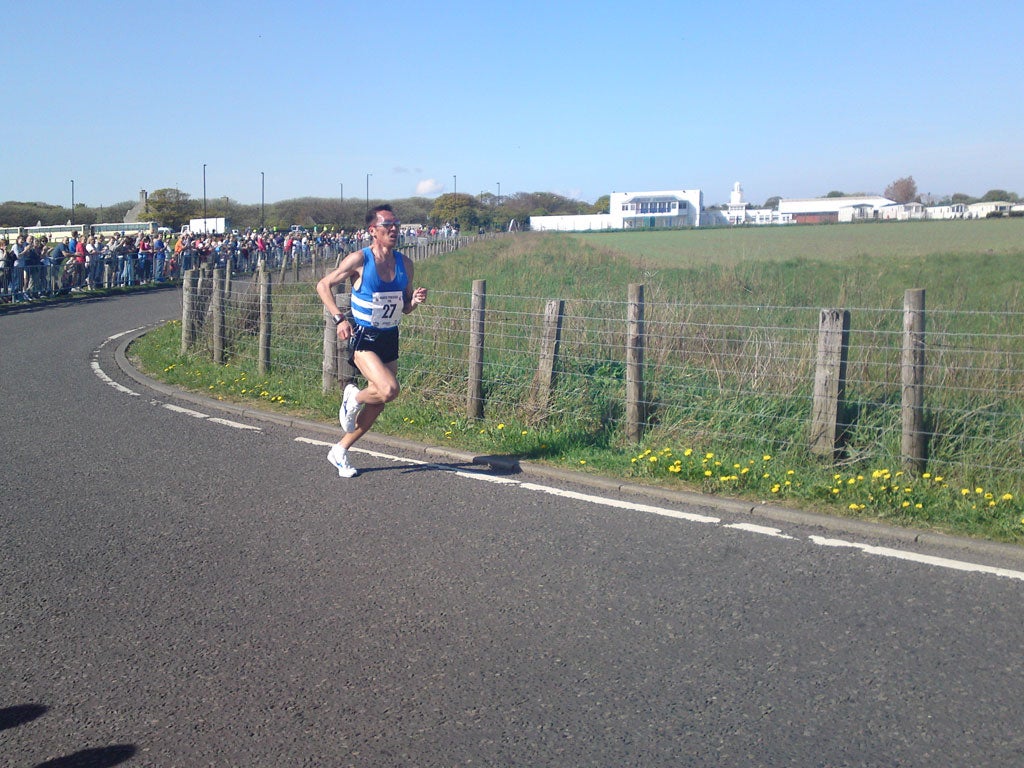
(381,293)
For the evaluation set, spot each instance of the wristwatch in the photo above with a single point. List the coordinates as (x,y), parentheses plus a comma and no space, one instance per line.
(338,319)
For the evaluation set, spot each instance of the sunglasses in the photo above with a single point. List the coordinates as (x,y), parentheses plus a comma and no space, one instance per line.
(389,223)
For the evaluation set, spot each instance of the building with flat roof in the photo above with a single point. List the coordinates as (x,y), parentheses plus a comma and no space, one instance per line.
(825,210)
(668,209)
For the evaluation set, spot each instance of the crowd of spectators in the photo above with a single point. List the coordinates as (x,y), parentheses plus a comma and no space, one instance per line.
(34,267)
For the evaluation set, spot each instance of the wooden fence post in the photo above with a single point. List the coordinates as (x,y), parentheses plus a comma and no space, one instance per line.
(830,381)
(346,371)
(913,445)
(544,378)
(217,306)
(266,305)
(474,393)
(329,374)
(188,310)
(635,406)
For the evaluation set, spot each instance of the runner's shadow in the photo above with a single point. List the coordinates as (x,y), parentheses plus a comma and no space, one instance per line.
(491,466)
(12,717)
(100,757)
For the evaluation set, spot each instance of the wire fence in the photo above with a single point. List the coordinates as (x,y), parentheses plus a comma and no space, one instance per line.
(714,376)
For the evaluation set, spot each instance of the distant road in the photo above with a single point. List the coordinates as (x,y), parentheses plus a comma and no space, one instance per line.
(180,586)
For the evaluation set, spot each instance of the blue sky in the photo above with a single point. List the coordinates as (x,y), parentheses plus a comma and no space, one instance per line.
(789,98)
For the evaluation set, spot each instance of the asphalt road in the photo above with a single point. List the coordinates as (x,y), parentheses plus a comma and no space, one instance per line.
(181,586)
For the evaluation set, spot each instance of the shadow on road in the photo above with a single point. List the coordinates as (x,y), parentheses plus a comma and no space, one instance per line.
(97,757)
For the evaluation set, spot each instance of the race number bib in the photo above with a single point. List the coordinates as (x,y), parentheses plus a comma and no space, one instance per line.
(387,308)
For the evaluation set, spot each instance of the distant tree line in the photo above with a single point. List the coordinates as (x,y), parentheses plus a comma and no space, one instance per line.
(172,208)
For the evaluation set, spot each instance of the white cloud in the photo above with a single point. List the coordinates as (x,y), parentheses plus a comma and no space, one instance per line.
(428,187)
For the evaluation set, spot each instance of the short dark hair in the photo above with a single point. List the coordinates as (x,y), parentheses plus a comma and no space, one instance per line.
(371,215)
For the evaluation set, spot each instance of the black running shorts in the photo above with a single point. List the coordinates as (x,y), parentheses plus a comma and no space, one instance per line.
(383,342)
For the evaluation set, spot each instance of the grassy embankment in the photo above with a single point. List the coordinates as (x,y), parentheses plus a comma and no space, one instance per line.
(964,266)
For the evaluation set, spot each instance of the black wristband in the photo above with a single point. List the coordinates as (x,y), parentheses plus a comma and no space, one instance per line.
(337,319)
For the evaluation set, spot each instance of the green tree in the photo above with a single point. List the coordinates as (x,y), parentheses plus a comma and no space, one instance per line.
(835,193)
(603,204)
(772,202)
(999,196)
(451,207)
(169,207)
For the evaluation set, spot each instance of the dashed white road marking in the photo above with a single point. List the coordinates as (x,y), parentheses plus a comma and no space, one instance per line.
(107,380)
(632,506)
(179,409)
(102,375)
(235,424)
(939,562)
(761,529)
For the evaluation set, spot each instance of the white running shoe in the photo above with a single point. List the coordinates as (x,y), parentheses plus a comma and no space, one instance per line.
(338,456)
(350,409)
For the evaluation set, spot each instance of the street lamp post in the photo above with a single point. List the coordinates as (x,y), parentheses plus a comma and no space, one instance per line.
(263,200)
(72,201)
(341,197)
(204,198)
(368,192)
(455,193)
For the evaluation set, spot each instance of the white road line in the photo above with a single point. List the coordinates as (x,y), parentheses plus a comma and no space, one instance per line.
(179,409)
(235,424)
(107,380)
(761,529)
(939,562)
(632,506)
(101,374)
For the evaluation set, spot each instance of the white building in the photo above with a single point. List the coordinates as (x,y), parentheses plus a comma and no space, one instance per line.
(739,214)
(668,209)
(951,211)
(983,210)
(903,212)
(821,210)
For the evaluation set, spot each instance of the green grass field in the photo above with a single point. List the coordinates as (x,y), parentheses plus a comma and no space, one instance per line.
(843,242)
